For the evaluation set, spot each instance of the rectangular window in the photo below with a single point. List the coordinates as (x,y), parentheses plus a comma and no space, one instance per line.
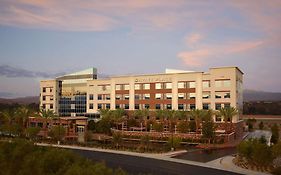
(146,106)
(44,98)
(206,95)
(51,89)
(118,87)
(107,106)
(137,96)
(227,105)
(91,97)
(137,106)
(99,106)
(146,86)
(218,106)
(226,95)
(158,96)
(169,106)
(126,96)
(118,97)
(168,85)
(206,84)
(107,87)
(158,106)
(107,96)
(91,106)
(181,95)
(168,96)
(226,83)
(191,96)
(117,106)
(99,97)
(44,89)
(51,106)
(206,106)
(218,83)
(126,106)
(51,98)
(44,106)
(181,85)
(192,84)
(126,87)
(146,96)
(192,106)
(137,86)
(180,106)
(158,86)
(218,95)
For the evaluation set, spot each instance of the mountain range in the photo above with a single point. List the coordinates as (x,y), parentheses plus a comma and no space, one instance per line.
(248,95)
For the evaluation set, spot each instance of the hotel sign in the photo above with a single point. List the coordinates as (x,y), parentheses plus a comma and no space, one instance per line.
(153,79)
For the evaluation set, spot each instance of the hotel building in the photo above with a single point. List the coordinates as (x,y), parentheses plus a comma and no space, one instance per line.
(174,89)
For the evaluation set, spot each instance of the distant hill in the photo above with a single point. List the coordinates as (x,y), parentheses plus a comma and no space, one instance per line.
(252,95)
(21,100)
(249,95)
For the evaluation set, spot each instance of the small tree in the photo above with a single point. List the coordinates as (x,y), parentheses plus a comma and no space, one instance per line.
(174,142)
(192,126)
(261,125)
(182,127)
(145,141)
(208,130)
(57,133)
(32,132)
(117,139)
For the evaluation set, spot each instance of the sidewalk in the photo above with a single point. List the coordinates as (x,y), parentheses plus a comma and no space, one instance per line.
(226,163)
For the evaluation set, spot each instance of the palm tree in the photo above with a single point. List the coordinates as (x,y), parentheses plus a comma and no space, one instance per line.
(47,114)
(228,113)
(23,114)
(9,117)
(197,114)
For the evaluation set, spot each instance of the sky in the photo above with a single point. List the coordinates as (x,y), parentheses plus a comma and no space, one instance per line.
(41,39)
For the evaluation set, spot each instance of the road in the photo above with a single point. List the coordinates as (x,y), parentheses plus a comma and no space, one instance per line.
(142,165)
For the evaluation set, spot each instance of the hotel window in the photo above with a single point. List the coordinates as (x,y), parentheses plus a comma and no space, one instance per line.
(91,106)
(126,87)
(192,84)
(158,106)
(118,87)
(99,97)
(44,89)
(218,95)
(168,96)
(158,96)
(218,118)
(51,98)
(226,105)
(192,106)
(180,106)
(206,106)
(226,95)
(137,96)
(137,106)
(51,106)
(218,83)
(137,86)
(226,83)
(218,106)
(146,106)
(51,89)
(118,97)
(146,86)
(168,85)
(99,106)
(181,95)
(158,86)
(126,106)
(44,98)
(146,96)
(181,85)
(44,106)
(191,96)
(91,97)
(206,95)
(169,106)
(126,96)
(117,106)
(107,106)
(206,84)
(107,96)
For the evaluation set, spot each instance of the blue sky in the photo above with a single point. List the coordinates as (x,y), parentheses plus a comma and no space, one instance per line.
(40,39)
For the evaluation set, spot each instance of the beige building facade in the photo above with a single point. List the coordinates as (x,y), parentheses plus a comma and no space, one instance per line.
(174,90)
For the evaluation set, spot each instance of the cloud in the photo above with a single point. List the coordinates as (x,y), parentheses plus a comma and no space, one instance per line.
(193,39)
(13,72)
(198,56)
